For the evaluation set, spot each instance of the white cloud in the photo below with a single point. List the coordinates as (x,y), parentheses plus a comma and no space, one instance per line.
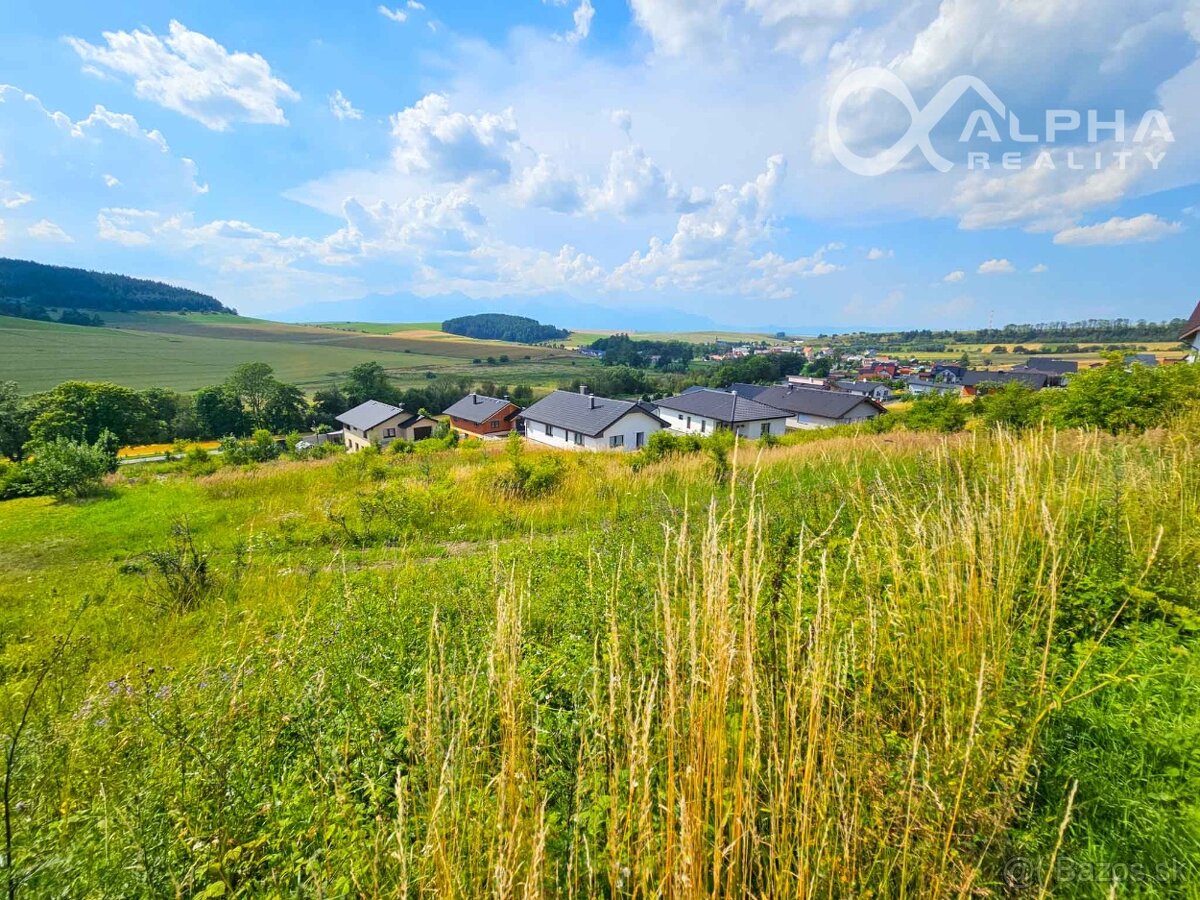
(880,253)
(3,230)
(545,185)
(111,181)
(452,146)
(1040,268)
(583,22)
(634,185)
(396,15)
(955,276)
(45,230)
(342,108)
(192,74)
(1117,230)
(415,6)
(995,267)
(13,200)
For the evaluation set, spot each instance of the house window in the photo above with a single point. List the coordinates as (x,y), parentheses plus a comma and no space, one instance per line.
(617,440)
(639,439)
(703,425)
(494,424)
(681,417)
(550,430)
(579,438)
(689,422)
(765,429)
(389,432)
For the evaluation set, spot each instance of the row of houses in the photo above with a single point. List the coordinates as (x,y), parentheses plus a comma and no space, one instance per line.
(571,420)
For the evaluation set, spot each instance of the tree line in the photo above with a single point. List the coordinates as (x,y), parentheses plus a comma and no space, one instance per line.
(1102,331)
(21,310)
(36,284)
(502,327)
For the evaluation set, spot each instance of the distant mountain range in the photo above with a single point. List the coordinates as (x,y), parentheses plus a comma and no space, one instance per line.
(561,311)
(37,285)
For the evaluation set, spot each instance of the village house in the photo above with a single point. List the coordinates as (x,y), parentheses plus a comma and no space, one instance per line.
(1191,335)
(973,380)
(876,390)
(378,424)
(813,408)
(918,386)
(581,421)
(481,416)
(709,410)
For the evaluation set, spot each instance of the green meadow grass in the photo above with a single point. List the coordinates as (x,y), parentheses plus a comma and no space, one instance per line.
(187,352)
(866,666)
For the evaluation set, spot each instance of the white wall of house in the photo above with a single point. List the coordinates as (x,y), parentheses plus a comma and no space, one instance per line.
(858,414)
(1194,354)
(382,434)
(625,428)
(689,423)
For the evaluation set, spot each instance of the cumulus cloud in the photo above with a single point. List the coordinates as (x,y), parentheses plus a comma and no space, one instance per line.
(45,230)
(583,22)
(454,146)
(635,185)
(880,253)
(955,276)
(111,181)
(1117,230)
(1040,268)
(342,108)
(546,185)
(995,267)
(192,74)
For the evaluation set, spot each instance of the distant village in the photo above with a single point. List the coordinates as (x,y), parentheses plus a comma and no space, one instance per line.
(860,388)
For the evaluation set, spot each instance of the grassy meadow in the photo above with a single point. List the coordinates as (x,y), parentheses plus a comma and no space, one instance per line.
(902,665)
(186,351)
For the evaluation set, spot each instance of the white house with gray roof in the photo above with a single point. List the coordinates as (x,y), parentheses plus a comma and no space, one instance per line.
(378,424)
(814,408)
(582,421)
(707,410)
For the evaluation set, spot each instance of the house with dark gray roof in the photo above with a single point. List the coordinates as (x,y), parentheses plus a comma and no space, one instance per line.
(709,410)
(378,424)
(816,408)
(1191,335)
(918,386)
(481,416)
(876,390)
(1049,366)
(973,380)
(582,421)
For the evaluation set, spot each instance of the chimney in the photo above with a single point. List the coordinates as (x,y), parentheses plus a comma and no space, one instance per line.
(474,398)
(591,402)
(583,389)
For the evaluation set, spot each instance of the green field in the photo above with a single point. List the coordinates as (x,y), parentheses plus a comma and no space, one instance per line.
(421,675)
(583,338)
(189,351)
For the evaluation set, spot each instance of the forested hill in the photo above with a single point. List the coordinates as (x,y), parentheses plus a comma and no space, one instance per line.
(37,285)
(501,327)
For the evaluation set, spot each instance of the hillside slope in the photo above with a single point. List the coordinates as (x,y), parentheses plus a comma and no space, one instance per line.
(60,286)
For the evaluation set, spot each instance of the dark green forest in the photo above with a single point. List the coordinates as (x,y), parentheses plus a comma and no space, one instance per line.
(501,327)
(34,285)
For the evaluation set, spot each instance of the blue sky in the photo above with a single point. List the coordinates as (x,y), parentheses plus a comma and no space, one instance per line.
(656,154)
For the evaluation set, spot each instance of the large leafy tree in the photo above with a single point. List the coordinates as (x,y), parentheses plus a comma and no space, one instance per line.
(82,410)
(15,415)
(219,413)
(253,384)
(368,381)
(286,409)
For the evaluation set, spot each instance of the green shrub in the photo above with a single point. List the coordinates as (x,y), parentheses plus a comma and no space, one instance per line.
(64,468)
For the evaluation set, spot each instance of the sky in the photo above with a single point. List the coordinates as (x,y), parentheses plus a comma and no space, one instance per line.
(677,155)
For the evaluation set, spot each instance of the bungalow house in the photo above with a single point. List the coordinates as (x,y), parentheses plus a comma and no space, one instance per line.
(1049,366)
(809,380)
(814,408)
(918,386)
(948,373)
(973,380)
(375,423)
(709,410)
(581,421)
(876,390)
(1149,360)
(483,416)
(1191,335)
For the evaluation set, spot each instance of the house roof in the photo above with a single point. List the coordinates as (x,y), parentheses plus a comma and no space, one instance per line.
(1035,380)
(851,385)
(721,406)
(747,390)
(1192,328)
(367,415)
(1052,366)
(584,413)
(804,401)
(477,408)
(1146,359)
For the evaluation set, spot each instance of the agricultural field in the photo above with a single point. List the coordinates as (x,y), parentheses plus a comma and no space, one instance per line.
(435,675)
(186,351)
(583,338)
